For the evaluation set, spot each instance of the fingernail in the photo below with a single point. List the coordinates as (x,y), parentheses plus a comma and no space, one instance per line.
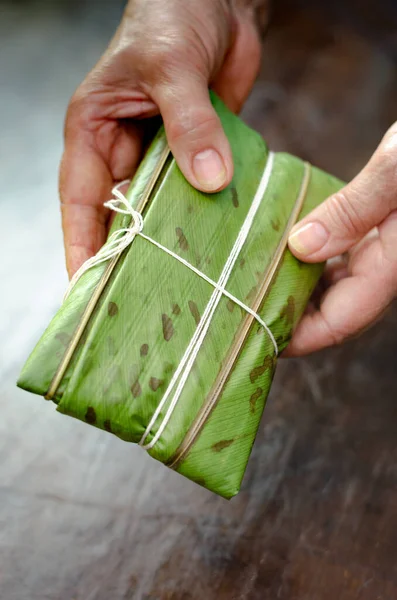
(209,169)
(309,238)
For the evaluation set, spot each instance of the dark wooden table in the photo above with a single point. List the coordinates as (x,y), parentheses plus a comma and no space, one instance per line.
(84,516)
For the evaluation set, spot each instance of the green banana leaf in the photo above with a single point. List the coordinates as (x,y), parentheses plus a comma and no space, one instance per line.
(116,344)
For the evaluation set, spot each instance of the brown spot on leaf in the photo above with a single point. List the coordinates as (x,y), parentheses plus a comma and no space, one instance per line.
(275,225)
(176,309)
(194,311)
(252,294)
(222,445)
(183,243)
(288,311)
(155,383)
(144,349)
(208,260)
(190,209)
(234,197)
(107,426)
(230,305)
(136,389)
(254,397)
(258,371)
(63,337)
(168,367)
(90,415)
(113,309)
(242,263)
(168,327)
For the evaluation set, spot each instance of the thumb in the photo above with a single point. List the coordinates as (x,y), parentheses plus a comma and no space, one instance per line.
(194,132)
(347,216)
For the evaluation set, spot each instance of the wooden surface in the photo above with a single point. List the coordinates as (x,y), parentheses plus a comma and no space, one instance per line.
(84,516)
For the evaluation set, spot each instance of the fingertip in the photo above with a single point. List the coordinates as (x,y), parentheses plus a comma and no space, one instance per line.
(207,162)
(211,173)
(308,337)
(307,240)
(195,134)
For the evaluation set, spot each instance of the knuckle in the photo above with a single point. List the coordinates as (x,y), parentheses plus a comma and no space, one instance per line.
(344,217)
(385,158)
(389,141)
(170,55)
(194,127)
(164,62)
(76,103)
(77,111)
(333,335)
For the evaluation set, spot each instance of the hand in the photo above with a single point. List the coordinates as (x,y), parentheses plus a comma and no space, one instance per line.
(161,60)
(359,222)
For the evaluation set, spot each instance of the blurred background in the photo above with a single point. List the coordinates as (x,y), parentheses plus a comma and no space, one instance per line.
(84,516)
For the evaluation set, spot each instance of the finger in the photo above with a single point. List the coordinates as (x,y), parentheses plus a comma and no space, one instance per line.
(335,270)
(344,218)
(339,317)
(97,152)
(85,182)
(241,66)
(194,132)
(126,150)
(355,302)
(388,240)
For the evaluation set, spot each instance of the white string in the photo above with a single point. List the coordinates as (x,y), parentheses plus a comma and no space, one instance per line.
(122,238)
(215,285)
(201,331)
(117,242)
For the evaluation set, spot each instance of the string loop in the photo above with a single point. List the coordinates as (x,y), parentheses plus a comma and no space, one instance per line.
(118,241)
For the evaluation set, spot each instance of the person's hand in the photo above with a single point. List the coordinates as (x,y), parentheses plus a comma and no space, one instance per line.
(161,60)
(359,223)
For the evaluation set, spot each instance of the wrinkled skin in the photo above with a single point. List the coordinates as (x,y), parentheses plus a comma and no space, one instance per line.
(359,223)
(161,61)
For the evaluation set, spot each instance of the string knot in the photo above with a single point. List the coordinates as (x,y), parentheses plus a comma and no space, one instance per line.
(119,240)
(120,204)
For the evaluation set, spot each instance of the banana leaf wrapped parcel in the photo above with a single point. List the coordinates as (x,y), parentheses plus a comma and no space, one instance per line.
(170,339)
